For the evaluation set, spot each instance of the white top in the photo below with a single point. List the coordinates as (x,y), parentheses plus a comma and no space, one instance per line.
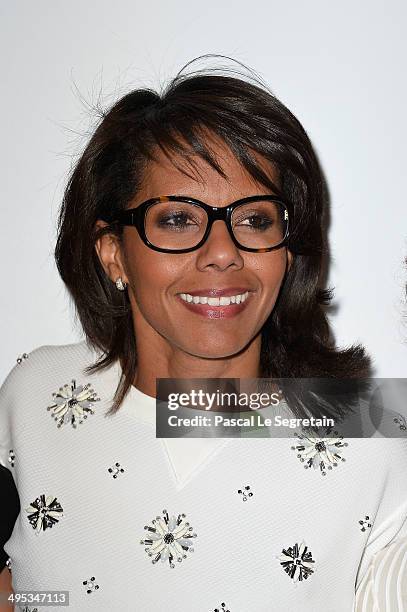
(126,521)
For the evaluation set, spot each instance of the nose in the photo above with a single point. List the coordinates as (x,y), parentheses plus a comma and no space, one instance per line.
(219,249)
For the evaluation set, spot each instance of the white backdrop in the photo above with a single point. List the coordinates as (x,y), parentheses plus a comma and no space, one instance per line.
(340,67)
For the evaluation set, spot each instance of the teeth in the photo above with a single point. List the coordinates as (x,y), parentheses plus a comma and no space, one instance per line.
(215,301)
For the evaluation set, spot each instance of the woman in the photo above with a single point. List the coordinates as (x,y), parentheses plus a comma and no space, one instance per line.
(173,287)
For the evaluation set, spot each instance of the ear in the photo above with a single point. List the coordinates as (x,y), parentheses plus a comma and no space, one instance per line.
(109,251)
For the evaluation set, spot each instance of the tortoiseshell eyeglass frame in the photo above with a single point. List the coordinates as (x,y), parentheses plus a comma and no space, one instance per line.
(136,218)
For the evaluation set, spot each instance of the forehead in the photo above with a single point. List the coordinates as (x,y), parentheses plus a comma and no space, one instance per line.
(187,173)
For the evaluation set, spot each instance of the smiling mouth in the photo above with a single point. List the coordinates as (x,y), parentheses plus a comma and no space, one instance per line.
(216,307)
(223,300)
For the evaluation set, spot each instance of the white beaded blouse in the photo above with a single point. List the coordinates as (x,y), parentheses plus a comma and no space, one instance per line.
(122,520)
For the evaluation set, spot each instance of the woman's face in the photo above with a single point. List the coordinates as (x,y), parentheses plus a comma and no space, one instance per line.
(156,280)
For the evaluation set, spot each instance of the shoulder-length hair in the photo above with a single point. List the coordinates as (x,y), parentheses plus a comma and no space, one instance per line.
(296,339)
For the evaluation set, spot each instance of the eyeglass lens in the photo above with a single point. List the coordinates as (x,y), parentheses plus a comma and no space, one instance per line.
(181,225)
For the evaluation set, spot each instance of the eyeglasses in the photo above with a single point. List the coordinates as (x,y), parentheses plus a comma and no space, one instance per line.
(179,224)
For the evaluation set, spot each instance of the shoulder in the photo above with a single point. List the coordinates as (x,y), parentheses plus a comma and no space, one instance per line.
(380,457)
(52,381)
(45,366)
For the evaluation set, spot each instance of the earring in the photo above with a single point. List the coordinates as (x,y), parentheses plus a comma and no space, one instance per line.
(120,284)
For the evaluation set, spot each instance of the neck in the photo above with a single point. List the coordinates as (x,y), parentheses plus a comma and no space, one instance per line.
(168,361)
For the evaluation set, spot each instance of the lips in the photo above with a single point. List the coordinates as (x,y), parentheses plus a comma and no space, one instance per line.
(212,292)
(218,311)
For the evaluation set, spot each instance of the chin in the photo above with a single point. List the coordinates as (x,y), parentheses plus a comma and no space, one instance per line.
(223,350)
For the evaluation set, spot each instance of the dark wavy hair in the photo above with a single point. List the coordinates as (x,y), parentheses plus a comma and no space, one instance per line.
(296,339)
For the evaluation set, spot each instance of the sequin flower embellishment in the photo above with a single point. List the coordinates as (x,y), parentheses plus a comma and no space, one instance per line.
(297,562)
(72,404)
(44,512)
(320,453)
(168,538)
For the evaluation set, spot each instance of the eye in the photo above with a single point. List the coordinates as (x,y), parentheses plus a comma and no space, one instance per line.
(175,220)
(256,221)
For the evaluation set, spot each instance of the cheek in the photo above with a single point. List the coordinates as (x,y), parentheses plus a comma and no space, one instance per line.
(150,273)
(270,270)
